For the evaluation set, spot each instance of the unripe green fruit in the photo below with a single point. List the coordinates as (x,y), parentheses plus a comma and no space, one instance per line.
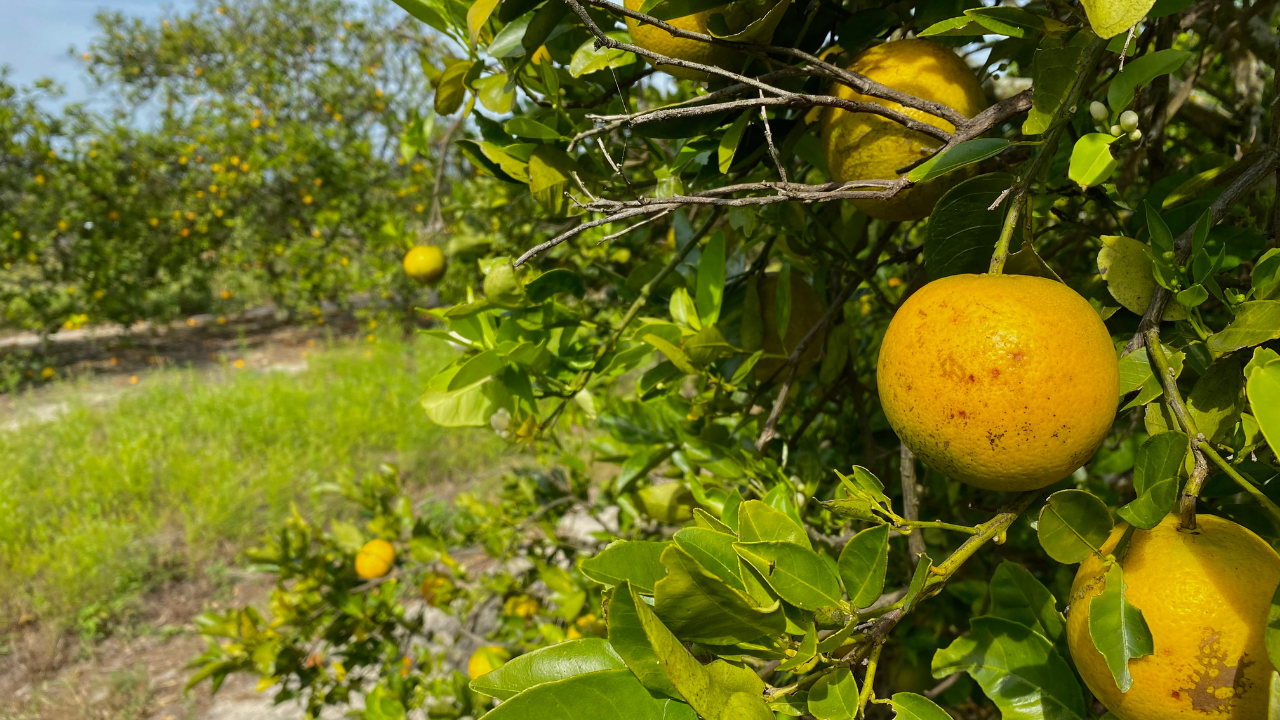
(502,286)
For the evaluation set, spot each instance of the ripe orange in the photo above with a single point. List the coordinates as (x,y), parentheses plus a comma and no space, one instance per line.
(1004,382)
(664,43)
(375,559)
(425,263)
(860,146)
(1205,595)
(806,310)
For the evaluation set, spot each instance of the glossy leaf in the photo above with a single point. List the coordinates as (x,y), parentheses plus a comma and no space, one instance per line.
(1118,629)
(1263,388)
(758,522)
(450,90)
(588,59)
(1073,524)
(863,564)
(608,695)
(963,230)
(1017,668)
(1016,595)
(966,153)
(634,561)
(1126,266)
(629,641)
(1112,17)
(910,706)
(1091,160)
(1256,322)
(1155,479)
(799,575)
(477,16)
(1053,71)
(714,551)
(548,664)
(834,696)
(710,287)
(729,142)
(700,607)
(1141,71)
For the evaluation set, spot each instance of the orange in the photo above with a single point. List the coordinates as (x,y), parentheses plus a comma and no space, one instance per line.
(662,42)
(861,146)
(1004,382)
(806,310)
(1205,595)
(425,263)
(375,559)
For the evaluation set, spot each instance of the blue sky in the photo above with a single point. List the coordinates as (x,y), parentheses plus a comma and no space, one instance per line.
(35,35)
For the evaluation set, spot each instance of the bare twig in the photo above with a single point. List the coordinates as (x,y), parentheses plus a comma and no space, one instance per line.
(911,502)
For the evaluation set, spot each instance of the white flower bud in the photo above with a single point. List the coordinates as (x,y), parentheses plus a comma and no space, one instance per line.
(500,421)
(1136,135)
(1116,130)
(1098,111)
(1129,120)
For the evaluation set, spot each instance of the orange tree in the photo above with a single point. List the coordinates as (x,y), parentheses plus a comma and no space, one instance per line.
(248,151)
(908,310)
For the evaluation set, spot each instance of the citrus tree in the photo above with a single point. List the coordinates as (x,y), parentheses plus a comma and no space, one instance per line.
(930,347)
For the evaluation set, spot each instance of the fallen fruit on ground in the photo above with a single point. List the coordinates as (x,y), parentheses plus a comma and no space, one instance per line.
(1004,382)
(1205,595)
(425,263)
(806,311)
(375,559)
(862,146)
(487,659)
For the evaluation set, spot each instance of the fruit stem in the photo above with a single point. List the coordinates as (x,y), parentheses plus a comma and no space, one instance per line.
(1092,55)
(868,680)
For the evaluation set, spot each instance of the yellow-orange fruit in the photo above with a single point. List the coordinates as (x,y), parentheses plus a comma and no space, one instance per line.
(1205,595)
(861,146)
(806,310)
(425,263)
(1004,382)
(662,42)
(375,559)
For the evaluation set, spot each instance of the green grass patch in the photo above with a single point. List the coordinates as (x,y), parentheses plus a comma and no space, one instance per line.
(190,465)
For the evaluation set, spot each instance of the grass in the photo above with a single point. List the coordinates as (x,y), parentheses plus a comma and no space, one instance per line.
(184,468)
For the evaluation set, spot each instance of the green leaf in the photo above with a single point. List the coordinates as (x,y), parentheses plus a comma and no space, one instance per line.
(471,406)
(527,128)
(966,153)
(700,607)
(707,694)
(550,174)
(684,311)
(1265,277)
(477,16)
(910,706)
(607,695)
(635,561)
(729,142)
(918,580)
(1118,629)
(799,575)
(673,353)
(1272,634)
(758,522)
(1256,322)
(837,357)
(1091,160)
(1264,399)
(863,564)
(834,696)
(1112,17)
(1126,265)
(382,705)
(544,24)
(638,465)
(1141,71)
(477,368)
(1073,524)
(479,154)
(1053,71)
(1017,668)
(708,345)
(1016,595)
(427,12)
(548,664)
(759,30)
(806,652)
(554,282)
(587,59)
(962,231)
(628,639)
(751,331)
(1216,401)
(710,287)
(450,89)
(494,93)
(509,40)
(714,551)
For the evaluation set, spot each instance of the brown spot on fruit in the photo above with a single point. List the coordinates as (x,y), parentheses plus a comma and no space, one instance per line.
(995,372)
(1216,686)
